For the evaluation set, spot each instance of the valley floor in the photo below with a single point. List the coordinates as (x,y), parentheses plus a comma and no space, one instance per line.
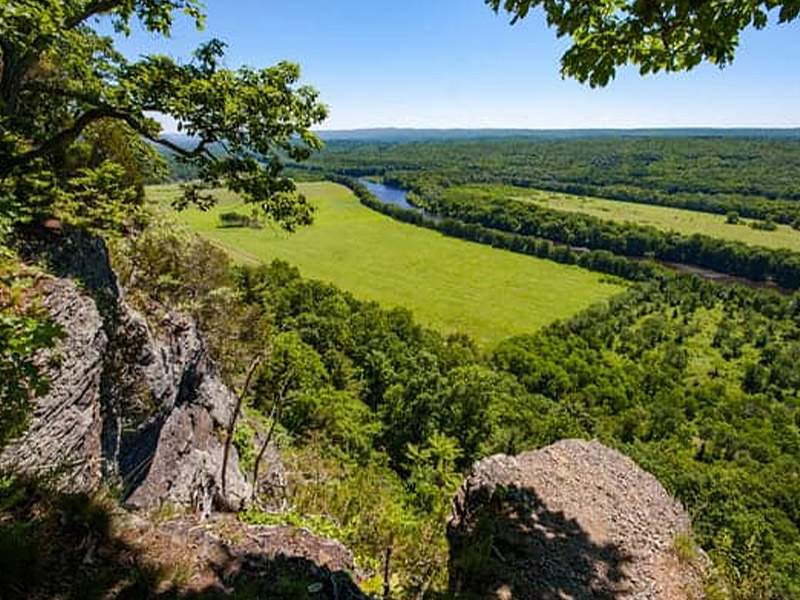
(450,284)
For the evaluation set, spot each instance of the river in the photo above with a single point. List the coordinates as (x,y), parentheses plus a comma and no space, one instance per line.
(388,194)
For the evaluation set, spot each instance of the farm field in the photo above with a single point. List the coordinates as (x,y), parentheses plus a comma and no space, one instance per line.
(662,217)
(449,284)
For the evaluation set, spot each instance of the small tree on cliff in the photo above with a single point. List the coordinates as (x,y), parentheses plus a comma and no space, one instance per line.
(59,78)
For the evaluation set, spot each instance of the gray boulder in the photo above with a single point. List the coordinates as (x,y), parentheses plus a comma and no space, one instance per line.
(573,520)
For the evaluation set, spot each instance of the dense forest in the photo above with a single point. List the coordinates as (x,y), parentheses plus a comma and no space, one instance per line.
(754,176)
(378,418)
(695,380)
(373,418)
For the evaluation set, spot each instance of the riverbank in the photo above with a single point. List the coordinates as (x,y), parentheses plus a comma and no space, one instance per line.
(398,198)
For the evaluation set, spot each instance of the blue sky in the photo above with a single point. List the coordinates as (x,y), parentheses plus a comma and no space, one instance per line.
(454,63)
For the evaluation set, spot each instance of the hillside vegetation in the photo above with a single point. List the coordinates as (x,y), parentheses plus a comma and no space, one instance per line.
(453,285)
(159,361)
(696,381)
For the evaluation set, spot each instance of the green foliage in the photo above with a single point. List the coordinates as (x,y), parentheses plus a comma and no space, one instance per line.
(432,475)
(69,102)
(165,267)
(245,446)
(754,176)
(719,427)
(321,525)
(696,381)
(493,209)
(764,225)
(369,509)
(25,330)
(666,218)
(234,219)
(655,36)
(354,365)
(97,199)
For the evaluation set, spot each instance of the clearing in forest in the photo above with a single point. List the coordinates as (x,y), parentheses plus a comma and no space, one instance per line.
(449,284)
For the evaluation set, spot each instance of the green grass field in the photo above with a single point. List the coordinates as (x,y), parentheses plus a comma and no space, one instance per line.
(449,284)
(662,217)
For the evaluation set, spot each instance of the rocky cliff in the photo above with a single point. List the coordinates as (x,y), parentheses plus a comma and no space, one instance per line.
(573,520)
(131,405)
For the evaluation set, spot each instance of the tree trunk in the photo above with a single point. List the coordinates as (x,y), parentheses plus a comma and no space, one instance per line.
(232,425)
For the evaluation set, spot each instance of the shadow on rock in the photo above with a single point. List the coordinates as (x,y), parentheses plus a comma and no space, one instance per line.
(506,544)
(77,546)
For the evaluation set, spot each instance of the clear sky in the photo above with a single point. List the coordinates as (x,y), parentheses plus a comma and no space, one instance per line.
(454,63)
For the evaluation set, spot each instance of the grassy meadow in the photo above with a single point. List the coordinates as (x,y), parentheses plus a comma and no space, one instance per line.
(449,284)
(666,218)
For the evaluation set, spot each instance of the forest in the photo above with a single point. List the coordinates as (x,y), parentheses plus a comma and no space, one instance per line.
(752,175)
(627,239)
(434,173)
(716,421)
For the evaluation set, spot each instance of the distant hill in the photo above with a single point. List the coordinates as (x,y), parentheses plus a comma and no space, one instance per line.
(397,135)
(420,135)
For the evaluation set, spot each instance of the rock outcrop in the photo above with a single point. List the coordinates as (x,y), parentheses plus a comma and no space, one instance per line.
(223,554)
(130,405)
(574,520)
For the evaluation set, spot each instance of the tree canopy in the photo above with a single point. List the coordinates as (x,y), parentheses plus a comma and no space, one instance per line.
(59,77)
(667,35)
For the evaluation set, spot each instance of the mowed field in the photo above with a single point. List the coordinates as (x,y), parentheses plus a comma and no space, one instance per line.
(449,284)
(676,219)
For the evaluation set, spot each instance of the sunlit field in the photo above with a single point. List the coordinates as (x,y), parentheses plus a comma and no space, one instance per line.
(449,284)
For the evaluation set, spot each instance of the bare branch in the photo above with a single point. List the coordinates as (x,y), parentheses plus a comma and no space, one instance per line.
(234,418)
(275,417)
(201,148)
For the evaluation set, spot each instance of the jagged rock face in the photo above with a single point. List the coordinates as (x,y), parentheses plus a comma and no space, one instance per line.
(68,422)
(573,520)
(129,405)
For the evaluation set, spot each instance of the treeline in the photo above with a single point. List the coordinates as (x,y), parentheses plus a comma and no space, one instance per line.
(754,177)
(486,208)
(782,211)
(595,260)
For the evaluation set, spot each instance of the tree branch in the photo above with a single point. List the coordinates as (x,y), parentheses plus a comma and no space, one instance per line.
(197,151)
(100,111)
(128,117)
(64,138)
(93,8)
